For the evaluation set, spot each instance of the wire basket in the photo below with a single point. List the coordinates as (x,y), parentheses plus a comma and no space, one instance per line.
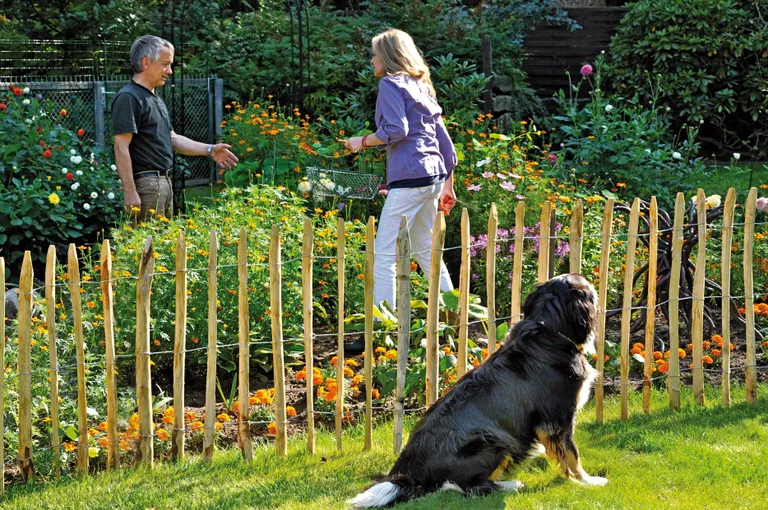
(342,184)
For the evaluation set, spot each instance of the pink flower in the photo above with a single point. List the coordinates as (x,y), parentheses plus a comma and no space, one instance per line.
(487,175)
(552,158)
(473,187)
(508,186)
(515,176)
(501,176)
(520,197)
(586,70)
(762,204)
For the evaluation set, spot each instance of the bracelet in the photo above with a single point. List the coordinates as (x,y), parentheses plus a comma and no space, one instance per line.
(208,150)
(365,146)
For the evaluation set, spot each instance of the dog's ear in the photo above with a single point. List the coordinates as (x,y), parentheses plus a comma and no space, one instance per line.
(580,309)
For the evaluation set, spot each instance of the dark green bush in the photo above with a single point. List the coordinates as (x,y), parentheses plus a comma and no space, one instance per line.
(712,57)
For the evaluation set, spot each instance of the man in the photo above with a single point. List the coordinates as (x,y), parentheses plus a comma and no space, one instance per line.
(144,137)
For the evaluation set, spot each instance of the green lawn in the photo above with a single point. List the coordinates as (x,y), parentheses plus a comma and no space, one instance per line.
(696,458)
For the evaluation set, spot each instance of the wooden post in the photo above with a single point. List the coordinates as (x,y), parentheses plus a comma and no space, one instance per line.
(276,307)
(26,466)
(53,359)
(2,378)
(517,265)
(212,352)
(463,295)
(143,372)
(552,243)
(490,277)
(728,209)
(749,295)
(626,312)
(340,243)
(673,378)
(403,325)
(602,298)
(576,237)
(544,242)
(368,363)
(77,312)
(107,303)
(650,318)
(306,278)
(179,349)
(699,279)
(433,308)
(244,358)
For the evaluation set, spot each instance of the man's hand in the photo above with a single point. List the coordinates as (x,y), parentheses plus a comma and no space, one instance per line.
(223,157)
(131,202)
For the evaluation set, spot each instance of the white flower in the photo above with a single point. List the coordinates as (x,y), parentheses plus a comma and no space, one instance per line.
(79,173)
(29,121)
(677,155)
(602,52)
(608,107)
(668,108)
(86,206)
(75,186)
(328,184)
(701,121)
(94,195)
(113,167)
(111,196)
(25,102)
(26,90)
(483,162)
(713,201)
(64,171)
(736,156)
(72,151)
(76,159)
(305,187)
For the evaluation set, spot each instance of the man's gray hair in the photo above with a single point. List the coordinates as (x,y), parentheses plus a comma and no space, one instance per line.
(147,46)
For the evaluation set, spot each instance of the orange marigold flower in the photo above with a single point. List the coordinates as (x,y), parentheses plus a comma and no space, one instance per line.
(218,426)
(764,345)
(381,350)
(707,360)
(290,411)
(92,431)
(103,426)
(657,355)
(349,372)
(664,367)
(681,353)
(70,447)
(636,350)
(334,360)
(103,442)
(223,417)
(272,428)
(717,339)
(689,347)
(375,393)
(162,434)
(330,396)
(705,344)
(351,362)
(391,355)
(638,345)
(717,353)
(317,379)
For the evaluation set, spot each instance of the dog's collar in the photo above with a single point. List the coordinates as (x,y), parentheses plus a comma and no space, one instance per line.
(579,347)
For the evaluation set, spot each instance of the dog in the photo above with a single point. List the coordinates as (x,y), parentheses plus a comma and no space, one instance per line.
(520,403)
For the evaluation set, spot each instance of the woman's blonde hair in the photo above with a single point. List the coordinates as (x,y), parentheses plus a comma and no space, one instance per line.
(399,55)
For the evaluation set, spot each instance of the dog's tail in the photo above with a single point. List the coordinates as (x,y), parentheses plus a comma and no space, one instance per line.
(386,491)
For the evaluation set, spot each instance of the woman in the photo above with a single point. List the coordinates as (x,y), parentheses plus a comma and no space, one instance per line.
(420,157)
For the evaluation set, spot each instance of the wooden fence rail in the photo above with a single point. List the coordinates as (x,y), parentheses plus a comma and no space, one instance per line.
(403,252)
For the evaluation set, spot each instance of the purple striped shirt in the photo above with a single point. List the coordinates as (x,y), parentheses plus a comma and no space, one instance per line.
(408,121)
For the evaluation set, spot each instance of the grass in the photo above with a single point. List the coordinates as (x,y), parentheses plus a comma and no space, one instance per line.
(707,457)
(718,180)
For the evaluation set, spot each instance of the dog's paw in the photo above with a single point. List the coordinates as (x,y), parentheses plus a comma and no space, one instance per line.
(597,481)
(510,485)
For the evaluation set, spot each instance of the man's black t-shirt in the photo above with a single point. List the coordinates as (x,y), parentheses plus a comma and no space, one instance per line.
(137,110)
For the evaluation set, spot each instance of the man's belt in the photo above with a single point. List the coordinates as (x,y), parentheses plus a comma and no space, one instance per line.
(152,173)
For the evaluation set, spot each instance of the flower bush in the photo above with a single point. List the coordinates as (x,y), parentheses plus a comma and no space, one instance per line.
(55,189)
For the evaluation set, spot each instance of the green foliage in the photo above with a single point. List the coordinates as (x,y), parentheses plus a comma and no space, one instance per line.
(623,142)
(55,189)
(710,56)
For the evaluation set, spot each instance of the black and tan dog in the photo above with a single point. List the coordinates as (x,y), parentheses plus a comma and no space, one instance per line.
(521,401)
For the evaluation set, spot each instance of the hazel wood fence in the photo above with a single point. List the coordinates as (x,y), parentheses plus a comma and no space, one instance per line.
(403,254)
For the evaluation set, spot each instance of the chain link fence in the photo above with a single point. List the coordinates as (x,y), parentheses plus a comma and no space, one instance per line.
(195,106)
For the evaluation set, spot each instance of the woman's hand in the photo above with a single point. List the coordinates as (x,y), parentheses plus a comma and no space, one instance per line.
(355,144)
(448,197)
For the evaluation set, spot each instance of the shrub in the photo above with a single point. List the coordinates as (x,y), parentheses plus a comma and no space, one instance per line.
(621,142)
(54,189)
(710,56)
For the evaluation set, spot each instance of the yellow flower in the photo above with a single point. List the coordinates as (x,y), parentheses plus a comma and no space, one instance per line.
(54,198)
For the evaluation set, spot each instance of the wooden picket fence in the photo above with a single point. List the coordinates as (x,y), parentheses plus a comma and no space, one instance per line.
(403,254)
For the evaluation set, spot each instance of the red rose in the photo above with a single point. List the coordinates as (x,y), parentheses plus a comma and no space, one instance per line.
(81,132)
(3,107)
(10,86)
(70,176)
(42,143)
(40,129)
(17,92)
(47,153)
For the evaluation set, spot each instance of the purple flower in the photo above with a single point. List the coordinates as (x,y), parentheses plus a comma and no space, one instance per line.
(501,176)
(515,176)
(340,207)
(508,186)
(563,248)
(487,175)
(473,187)
(520,197)
(586,70)
(552,158)
(39,97)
